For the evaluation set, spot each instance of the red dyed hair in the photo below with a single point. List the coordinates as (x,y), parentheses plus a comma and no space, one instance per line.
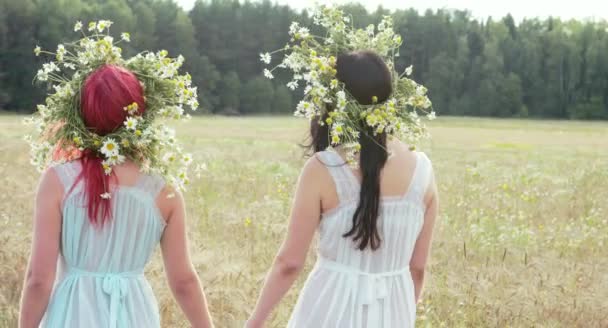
(104,95)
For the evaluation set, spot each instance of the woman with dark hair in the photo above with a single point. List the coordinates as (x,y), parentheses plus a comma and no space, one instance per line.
(375,221)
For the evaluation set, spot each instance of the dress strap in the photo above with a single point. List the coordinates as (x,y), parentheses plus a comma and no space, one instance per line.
(151,184)
(68,173)
(422,177)
(347,186)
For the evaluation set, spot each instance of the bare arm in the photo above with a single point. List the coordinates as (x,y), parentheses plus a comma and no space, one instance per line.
(288,264)
(423,244)
(40,274)
(183,279)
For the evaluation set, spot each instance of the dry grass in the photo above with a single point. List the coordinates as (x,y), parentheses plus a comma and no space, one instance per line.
(522,240)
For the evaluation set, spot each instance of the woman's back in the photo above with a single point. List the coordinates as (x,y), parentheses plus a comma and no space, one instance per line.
(350,287)
(100,281)
(401,211)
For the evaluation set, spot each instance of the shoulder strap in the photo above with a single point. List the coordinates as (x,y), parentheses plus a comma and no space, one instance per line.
(346,185)
(151,184)
(422,176)
(67,173)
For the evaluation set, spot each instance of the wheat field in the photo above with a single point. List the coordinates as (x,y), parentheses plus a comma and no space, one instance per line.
(522,238)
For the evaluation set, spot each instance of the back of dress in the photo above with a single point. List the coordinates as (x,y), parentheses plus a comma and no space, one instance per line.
(364,289)
(100,280)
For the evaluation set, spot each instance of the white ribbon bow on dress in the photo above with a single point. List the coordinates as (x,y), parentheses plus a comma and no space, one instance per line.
(372,289)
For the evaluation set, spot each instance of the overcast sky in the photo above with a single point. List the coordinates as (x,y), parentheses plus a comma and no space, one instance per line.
(597,9)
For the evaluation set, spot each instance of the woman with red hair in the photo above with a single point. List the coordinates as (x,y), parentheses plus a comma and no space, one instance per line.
(99,246)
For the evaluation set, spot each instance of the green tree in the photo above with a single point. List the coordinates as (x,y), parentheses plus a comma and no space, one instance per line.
(283,102)
(257,96)
(228,92)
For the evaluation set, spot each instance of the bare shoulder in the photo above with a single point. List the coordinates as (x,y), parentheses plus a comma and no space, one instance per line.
(402,153)
(50,181)
(314,166)
(50,188)
(168,201)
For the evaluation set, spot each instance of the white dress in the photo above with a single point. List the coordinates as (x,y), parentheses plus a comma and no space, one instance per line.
(349,288)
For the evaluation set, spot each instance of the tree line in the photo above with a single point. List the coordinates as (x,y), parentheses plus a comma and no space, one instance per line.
(546,68)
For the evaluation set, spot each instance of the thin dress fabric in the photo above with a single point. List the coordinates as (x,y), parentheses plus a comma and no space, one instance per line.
(350,288)
(100,281)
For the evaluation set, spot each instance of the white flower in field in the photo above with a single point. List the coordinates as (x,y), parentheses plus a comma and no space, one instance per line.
(78,26)
(306,109)
(333,84)
(304,33)
(70,66)
(37,50)
(169,158)
(110,147)
(193,103)
(308,89)
(64,90)
(92,26)
(408,70)
(187,159)
(341,95)
(293,28)
(292,85)
(104,24)
(42,76)
(370,30)
(108,39)
(338,129)
(106,195)
(268,74)
(420,90)
(431,116)
(60,52)
(131,123)
(125,37)
(266,58)
(427,103)
(50,67)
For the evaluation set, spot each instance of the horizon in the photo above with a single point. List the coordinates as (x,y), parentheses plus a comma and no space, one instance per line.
(586,10)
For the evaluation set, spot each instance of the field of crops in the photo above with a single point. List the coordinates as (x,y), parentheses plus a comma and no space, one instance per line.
(522,239)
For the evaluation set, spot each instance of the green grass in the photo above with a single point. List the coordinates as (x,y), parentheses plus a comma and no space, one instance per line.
(522,239)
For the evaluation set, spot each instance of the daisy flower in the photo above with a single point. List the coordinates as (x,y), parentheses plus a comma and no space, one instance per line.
(110,148)
(408,70)
(107,168)
(265,58)
(187,159)
(116,159)
(268,74)
(131,123)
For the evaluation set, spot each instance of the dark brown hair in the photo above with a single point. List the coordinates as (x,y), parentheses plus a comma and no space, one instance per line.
(365,76)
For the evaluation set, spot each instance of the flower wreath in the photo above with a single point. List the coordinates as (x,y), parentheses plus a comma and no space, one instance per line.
(312,60)
(151,144)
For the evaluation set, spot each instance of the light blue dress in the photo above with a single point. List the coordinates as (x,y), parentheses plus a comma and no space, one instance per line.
(100,281)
